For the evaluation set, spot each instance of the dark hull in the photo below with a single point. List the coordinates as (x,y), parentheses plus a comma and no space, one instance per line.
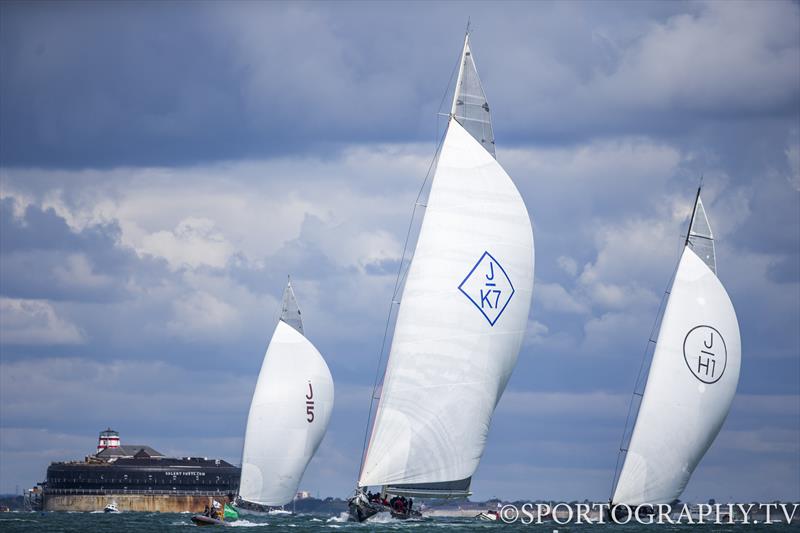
(200,520)
(360,511)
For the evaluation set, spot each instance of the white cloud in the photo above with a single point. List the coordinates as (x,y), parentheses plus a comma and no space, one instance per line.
(77,271)
(535,332)
(201,314)
(193,243)
(35,322)
(554,297)
(567,264)
(726,55)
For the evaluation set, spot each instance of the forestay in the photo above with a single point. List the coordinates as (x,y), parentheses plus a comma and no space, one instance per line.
(288,417)
(691,383)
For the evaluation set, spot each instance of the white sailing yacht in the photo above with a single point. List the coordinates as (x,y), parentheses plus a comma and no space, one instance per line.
(289,413)
(692,378)
(461,318)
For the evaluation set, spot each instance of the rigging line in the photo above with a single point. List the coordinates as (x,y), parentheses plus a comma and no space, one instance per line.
(656,322)
(439,141)
(394,298)
(400,274)
(447,88)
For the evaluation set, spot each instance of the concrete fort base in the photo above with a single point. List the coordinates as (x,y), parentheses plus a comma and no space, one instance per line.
(151,503)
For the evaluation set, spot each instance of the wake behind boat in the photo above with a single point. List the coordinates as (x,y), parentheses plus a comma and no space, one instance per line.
(202,520)
(488,516)
(460,322)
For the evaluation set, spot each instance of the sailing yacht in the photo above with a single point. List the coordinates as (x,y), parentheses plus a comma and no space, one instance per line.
(460,323)
(692,378)
(289,413)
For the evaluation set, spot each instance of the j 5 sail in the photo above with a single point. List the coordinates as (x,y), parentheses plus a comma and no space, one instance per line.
(289,413)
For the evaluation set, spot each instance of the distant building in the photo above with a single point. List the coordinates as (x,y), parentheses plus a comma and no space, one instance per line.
(302,495)
(138,478)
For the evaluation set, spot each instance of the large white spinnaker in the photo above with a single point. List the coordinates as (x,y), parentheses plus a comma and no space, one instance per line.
(692,378)
(289,413)
(460,324)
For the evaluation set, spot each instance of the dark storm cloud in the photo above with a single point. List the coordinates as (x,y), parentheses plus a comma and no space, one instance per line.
(98,85)
(42,257)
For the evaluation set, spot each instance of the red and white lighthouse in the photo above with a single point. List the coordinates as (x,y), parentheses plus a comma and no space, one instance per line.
(108,439)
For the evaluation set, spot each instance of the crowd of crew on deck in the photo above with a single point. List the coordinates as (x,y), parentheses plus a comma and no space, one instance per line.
(398,504)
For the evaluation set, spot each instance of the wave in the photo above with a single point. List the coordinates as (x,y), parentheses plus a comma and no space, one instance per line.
(342,517)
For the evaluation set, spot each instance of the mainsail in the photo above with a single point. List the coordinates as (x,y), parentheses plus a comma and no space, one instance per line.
(462,316)
(692,378)
(289,413)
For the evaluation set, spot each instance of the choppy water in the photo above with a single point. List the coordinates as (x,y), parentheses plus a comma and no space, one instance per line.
(156,522)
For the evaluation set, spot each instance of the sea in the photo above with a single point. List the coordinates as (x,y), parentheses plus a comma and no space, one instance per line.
(156,522)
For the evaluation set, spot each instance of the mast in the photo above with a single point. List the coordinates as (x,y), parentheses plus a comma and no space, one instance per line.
(691,219)
(465,307)
(464,52)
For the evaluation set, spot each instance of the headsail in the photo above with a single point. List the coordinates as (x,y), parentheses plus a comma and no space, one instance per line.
(289,413)
(470,107)
(461,320)
(290,312)
(691,383)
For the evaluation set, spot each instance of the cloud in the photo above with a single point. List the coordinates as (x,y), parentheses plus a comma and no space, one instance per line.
(32,322)
(194,242)
(220,88)
(553,297)
(157,191)
(535,332)
(567,264)
(201,314)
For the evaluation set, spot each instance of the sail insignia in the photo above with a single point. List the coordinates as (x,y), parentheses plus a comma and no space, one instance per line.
(470,107)
(290,312)
(700,238)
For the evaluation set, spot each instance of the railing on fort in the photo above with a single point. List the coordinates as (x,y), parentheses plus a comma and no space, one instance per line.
(105,492)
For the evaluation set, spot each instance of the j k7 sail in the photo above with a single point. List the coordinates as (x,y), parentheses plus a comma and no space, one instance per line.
(692,378)
(289,413)
(462,314)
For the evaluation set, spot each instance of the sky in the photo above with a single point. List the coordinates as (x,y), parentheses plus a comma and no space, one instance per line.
(164,167)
